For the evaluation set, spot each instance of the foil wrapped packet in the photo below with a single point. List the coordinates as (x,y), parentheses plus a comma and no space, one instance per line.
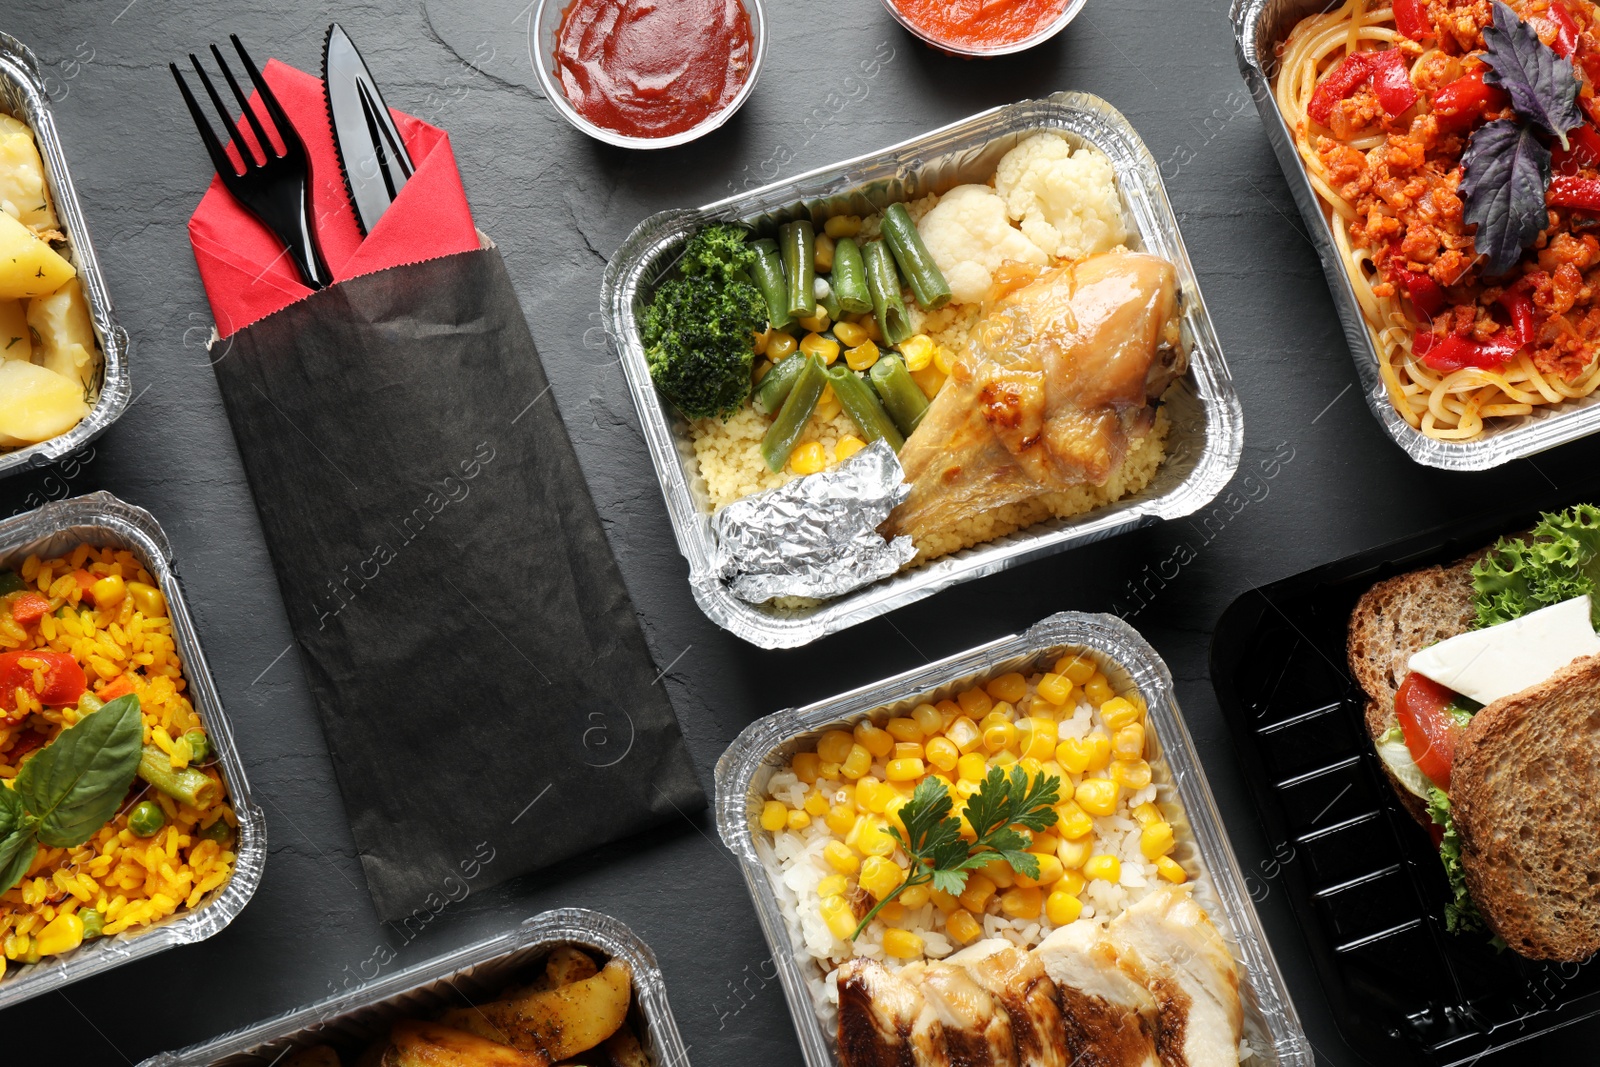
(816,536)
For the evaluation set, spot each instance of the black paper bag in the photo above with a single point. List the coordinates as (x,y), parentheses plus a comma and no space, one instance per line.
(480,672)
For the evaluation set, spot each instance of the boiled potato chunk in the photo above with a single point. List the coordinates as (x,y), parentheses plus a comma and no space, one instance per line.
(22,190)
(15,340)
(557,1023)
(66,337)
(419,1044)
(36,404)
(28,266)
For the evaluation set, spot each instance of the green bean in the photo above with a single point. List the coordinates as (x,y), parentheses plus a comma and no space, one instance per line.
(188,785)
(857,397)
(916,262)
(94,923)
(849,277)
(798,243)
(767,273)
(785,431)
(902,398)
(884,282)
(773,389)
(829,299)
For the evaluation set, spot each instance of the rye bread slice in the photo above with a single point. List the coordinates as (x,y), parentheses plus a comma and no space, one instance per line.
(1523,788)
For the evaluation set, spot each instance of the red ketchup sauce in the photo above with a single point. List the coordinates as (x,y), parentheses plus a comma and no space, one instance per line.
(980,24)
(652,68)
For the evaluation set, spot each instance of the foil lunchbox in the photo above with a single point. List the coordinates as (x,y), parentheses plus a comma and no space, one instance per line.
(1271,1024)
(1259,27)
(23,96)
(1203,447)
(362,1015)
(101,518)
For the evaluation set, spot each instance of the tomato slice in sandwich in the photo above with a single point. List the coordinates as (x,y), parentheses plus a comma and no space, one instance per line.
(1423,708)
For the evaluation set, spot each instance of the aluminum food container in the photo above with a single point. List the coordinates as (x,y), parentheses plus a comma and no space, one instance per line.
(1271,1025)
(1069,11)
(101,518)
(1203,447)
(23,96)
(1259,26)
(363,1015)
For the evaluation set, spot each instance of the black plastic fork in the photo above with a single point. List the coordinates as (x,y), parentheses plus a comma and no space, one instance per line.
(275,188)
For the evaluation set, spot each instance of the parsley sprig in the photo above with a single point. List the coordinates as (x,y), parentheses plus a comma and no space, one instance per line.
(941,857)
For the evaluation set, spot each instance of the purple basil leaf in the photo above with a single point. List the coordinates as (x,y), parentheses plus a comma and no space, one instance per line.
(1542,86)
(1504,174)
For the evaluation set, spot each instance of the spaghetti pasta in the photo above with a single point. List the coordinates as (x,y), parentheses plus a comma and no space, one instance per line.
(1388,183)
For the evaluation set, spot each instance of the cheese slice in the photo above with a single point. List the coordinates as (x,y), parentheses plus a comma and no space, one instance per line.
(1489,664)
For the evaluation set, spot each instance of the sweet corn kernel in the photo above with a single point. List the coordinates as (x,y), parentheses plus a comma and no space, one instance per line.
(1128,742)
(929,718)
(1097,796)
(1040,743)
(967,831)
(1099,748)
(913,897)
(816,322)
(805,767)
(61,934)
(822,253)
(816,805)
(1010,687)
(848,446)
(1055,689)
(1000,873)
(1004,758)
(1105,868)
(869,322)
(975,897)
(1156,840)
(1073,854)
(833,886)
(780,347)
(907,750)
(1072,822)
(1147,813)
(774,816)
(1031,767)
(902,944)
(759,345)
(1072,881)
(975,702)
(108,592)
(872,836)
(942,753)
(1117,713)
(892,912)
(858,763)
(827,405)
(905,770)
(808,458)
(1062,908)
(965,733)
(905,728)
(1098,690)
(961,926)
(945,902)
(841,857)
(1168,868)
(842,226)
(1021,903)
(1045,841)
(148,600)
(918,351)
(834,746)
(840,919)
(1050,869)
(942,359)
(876,741)
(828,770)
(862,356)
(1001,711)
(851,335)
(1135,774)
(824,348)
(1076,669)
(967,787)
(841,817)
(798,820)
(1073,755)
(1000,735)
(880,876)
(930,380)
(872,795)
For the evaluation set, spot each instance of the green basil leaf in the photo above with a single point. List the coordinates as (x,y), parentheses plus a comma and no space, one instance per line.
(75,784)
(11,813)
(17,850)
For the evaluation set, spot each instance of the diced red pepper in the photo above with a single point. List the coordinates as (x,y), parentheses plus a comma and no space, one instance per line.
(1580,193)
(1454,352)
(1386,70)
(85,582)
(1427,295)
(1464,101)
(1566,41)
(64,680)
(29,608)
(1411,19)
(1583,150)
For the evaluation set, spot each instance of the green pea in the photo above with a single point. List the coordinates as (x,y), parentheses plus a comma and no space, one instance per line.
(218,831)
(94,924)
(199,745)
(146,819)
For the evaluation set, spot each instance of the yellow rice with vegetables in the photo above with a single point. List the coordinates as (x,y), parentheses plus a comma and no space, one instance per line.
(147,863)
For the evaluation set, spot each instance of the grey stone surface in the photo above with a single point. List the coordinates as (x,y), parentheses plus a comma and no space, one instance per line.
(558,204)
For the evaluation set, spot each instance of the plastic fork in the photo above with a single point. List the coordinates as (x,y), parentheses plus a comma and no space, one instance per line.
(275,188)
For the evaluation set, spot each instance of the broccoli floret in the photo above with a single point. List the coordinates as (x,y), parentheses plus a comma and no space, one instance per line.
(699,326)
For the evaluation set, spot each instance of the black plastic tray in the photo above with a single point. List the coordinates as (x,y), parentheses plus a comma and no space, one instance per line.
(1364,880)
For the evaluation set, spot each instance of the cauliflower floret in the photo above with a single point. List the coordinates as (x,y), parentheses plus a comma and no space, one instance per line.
(969,236)
(1065,201)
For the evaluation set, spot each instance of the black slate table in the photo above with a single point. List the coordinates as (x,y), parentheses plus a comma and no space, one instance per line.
(558,204)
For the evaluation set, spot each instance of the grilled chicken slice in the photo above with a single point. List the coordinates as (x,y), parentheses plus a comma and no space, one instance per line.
(1168,940)
(961,1024)
(1108,1016)
(877,1013)
(1018,984)
(1057,378)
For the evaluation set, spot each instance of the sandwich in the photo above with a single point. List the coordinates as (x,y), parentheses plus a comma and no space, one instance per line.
(1482,681)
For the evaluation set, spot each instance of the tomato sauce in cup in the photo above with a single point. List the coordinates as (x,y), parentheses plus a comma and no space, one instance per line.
(652,69)
(977,26)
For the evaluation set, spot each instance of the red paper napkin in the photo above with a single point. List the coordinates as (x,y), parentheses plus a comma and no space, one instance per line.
(244,267)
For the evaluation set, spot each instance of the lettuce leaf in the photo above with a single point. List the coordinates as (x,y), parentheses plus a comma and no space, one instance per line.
(1559,560)
(1461,913)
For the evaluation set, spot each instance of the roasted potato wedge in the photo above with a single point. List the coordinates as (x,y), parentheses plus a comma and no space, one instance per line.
(556,1023)
(565,966)
(419,1044)
(622,1049)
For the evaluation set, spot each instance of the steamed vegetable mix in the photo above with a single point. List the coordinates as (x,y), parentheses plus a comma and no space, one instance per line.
(797,242)
(786,429)
(884,282)
(849,277)
(902,399)
(916,263)
(698,326)
(857,397)
(767,270)
(772,390)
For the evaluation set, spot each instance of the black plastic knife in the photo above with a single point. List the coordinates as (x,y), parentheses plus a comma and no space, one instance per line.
(372,157)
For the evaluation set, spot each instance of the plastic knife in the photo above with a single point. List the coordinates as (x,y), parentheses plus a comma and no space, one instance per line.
(372,156)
